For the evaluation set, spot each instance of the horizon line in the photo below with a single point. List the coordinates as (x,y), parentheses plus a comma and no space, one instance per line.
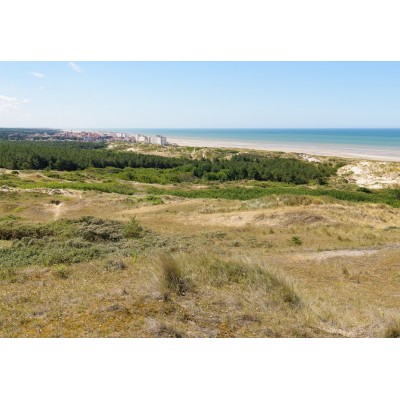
(231,128)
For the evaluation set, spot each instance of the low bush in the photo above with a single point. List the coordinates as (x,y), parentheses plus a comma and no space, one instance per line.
(10,230)
(96,229)
(62,272)
(133,229)
(296,241)
(64,241)
(114,265)
(155,200)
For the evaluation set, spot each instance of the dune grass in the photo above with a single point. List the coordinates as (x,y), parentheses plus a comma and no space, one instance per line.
(115,258)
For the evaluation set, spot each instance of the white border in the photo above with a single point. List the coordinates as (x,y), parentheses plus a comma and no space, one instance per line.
(217,30)
(199,30)
(198,369)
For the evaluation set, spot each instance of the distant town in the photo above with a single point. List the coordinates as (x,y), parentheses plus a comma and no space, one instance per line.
(87,136)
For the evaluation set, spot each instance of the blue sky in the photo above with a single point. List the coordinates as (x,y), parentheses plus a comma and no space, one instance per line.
(200,94)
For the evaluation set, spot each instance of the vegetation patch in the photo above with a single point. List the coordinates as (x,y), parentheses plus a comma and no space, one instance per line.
(385,196)
(133,229)
(296,241)
(181,273)
(68,241)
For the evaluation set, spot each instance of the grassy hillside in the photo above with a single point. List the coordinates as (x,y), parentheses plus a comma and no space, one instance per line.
(129,252)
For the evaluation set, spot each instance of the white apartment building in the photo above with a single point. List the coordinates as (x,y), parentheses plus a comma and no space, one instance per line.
(158,139)
(142,138)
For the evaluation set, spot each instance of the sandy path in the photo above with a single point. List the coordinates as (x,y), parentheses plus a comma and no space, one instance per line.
(325,255)
(57,210)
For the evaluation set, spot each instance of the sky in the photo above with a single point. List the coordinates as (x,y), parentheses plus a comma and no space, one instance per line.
(200,94)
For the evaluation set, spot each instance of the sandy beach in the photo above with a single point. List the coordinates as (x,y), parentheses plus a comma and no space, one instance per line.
(345,151)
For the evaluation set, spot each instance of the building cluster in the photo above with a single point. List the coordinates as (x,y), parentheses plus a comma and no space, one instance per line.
(86,136)
(157,139)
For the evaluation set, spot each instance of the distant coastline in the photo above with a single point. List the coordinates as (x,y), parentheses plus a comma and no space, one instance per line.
(344,151)
(370,144)
(373,144)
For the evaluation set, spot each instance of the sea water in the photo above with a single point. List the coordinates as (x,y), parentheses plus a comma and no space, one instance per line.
(387,138)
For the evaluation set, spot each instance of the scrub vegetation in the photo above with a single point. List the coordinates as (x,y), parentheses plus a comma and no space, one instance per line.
(192,243)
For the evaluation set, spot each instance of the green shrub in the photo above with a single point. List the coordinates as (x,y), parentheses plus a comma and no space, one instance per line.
(155,200)
(96,229)
(133,229)
(296,240)
(62,272)
(10,230)
(56,202)
(69,241)
(8,274)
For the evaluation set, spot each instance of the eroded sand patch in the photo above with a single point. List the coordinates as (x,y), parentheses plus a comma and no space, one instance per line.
(372,175)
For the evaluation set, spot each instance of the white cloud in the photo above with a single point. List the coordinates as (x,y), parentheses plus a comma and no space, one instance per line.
(37,74)
(75,67)
(11,106)
(8,105)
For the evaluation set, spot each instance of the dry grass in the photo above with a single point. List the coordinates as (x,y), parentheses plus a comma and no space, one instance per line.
(192,295)
(393,329)
(172,276)
(225,269)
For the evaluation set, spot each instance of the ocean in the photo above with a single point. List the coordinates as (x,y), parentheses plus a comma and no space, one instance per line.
(357,137)
(374,143)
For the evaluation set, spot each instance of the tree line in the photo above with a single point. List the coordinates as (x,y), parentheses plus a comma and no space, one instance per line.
(74,156)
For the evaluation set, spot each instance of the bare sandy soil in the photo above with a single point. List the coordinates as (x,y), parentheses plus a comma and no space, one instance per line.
(372,175)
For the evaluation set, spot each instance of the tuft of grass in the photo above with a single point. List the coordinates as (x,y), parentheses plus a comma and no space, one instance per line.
(172,276)
(155,200)
(62,272)
(393,329)
(345,272)
(285,287)
(290,295)
(181,272)
(8,274)
(115,265)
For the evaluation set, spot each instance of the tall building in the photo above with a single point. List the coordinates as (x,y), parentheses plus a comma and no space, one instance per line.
(142,138)
(158,139)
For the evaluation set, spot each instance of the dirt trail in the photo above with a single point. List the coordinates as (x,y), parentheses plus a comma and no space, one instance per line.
(324,255)
(57,210)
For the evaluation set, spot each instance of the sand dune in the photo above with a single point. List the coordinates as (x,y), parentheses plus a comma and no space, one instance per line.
(346,151)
